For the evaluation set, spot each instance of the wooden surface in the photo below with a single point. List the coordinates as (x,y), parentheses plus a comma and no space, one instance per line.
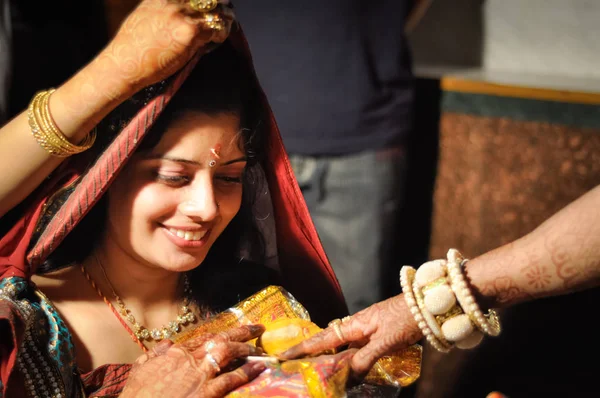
(477,85)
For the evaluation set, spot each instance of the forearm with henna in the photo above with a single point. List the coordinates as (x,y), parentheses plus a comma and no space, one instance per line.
(76,107)
(146,49)
(155,41)
(561,256)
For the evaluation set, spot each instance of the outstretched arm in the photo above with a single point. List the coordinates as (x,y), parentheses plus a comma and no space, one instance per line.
(560,256)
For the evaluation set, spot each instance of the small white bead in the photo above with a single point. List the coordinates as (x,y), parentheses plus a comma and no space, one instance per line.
(410,301)
(473,308)
(470,341)
(469,300)
(457,328)
(453,255)
(439,300)
(414,310)
(429,271)
(423,325)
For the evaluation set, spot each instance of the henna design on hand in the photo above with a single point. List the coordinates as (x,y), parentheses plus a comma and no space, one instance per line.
(156,40)
(183,370)
(538,277)
(378,330)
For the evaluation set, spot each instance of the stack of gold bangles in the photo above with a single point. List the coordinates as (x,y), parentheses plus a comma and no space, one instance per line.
(443,305)
(47,133)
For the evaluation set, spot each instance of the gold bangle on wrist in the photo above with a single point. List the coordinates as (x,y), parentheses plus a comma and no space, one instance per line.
(47,133)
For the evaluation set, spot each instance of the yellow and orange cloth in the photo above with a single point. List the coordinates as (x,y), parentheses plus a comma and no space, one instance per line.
(320,376)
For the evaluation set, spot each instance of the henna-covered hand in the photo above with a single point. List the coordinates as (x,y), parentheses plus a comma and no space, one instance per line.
(156,40)
(378,330)
(186,370)
(159,37)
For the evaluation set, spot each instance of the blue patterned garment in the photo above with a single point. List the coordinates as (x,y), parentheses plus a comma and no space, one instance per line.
(46,358)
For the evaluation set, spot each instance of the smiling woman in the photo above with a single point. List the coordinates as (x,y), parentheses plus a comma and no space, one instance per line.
(173,200)
(169,204)
(184,204)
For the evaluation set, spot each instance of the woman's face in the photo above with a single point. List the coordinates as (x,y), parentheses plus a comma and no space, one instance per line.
(169,205)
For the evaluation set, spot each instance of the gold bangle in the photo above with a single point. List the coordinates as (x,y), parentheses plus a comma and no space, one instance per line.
(46,132)
(45,140)
(87,142)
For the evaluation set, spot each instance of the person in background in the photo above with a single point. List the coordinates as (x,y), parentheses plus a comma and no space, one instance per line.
(339,79)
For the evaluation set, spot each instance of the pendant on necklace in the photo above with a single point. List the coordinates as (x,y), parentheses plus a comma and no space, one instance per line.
(185,317)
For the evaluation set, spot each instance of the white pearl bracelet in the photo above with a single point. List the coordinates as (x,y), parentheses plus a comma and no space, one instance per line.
(488,324)
(443,305)
(407,275)
(440,309)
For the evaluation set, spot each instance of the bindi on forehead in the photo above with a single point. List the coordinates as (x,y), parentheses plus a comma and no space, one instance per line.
(216,154)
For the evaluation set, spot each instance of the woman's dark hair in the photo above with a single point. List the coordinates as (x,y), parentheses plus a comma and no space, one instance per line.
(222,82)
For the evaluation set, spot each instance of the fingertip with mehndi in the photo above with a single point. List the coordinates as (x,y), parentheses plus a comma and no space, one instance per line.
(325,340)
(250,371)
(256,328)
(362,361)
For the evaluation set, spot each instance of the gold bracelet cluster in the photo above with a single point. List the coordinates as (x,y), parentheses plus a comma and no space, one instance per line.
(46,132)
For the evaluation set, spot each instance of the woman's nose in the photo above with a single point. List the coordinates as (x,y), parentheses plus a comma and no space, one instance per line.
(200,202)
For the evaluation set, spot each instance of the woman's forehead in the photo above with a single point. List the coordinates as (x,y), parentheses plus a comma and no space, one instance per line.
(198,134)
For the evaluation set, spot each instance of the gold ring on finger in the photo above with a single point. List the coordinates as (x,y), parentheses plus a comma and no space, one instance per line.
(335,324)
(203,5)
(213,21)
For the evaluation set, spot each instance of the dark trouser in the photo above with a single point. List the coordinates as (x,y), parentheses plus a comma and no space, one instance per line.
(354,201)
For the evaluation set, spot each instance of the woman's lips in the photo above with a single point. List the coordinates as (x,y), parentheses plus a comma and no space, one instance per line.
(187,238)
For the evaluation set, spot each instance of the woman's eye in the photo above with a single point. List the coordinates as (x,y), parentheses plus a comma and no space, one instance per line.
(172,179)
(230,180)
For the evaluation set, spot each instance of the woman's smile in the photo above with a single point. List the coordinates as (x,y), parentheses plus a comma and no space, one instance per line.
(187,239)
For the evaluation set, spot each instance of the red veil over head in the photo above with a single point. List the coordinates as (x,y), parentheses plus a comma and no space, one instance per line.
(53,211)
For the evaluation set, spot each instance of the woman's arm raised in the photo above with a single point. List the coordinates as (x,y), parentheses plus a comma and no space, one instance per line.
(155,41)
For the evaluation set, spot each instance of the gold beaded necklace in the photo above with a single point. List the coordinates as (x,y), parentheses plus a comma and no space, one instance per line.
(184,317)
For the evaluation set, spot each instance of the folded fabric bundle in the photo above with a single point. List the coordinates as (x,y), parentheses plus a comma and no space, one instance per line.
(326,375)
